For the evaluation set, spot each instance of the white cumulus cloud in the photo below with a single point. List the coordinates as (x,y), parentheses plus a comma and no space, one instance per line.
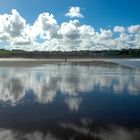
(74,12)
(134,29)
(119,29)
(45,34)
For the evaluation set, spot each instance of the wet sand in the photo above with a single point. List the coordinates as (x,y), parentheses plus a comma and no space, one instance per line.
(52,60)
(26,62)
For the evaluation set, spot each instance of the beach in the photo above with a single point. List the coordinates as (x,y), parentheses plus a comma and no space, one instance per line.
(24,62)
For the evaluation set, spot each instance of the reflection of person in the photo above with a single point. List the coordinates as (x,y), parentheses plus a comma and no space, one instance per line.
(65,59)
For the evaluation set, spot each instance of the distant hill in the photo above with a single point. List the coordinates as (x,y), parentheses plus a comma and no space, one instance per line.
(124,53)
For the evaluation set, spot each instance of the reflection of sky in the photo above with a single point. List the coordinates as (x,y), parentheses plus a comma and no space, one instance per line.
(70,80)
(112,133)
(7,134)
(75,100)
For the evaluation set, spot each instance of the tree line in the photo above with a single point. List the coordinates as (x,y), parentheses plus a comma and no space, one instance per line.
(126,53)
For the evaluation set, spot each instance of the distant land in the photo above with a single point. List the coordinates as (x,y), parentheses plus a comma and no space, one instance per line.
(124,53)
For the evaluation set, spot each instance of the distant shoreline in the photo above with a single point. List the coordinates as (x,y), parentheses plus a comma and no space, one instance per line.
(66,59)
(60,55)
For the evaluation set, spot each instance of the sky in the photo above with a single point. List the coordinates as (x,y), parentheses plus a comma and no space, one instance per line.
(66,25)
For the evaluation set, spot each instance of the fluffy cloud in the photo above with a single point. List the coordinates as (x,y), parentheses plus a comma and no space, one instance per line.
(119,29)
(13,29)
(74,12)
(12,25)
(105,34)
(134,29)
(70,29)
(45,34)
(45,26)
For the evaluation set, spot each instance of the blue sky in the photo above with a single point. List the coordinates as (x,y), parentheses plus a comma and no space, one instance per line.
(101,15)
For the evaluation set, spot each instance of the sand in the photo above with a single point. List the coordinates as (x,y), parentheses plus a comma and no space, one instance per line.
(25,62)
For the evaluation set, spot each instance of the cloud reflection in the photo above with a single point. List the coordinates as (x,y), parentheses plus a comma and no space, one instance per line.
(77,131)
(71,80)
(111,133)
(73,103)
(7,134)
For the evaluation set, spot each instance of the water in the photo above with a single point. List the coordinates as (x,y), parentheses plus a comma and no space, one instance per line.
(70,101)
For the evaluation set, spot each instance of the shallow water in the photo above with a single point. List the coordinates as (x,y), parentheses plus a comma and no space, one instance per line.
(70,101)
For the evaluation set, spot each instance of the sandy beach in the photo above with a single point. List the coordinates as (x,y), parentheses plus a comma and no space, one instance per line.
(52,60)
(68,59)
(26,62)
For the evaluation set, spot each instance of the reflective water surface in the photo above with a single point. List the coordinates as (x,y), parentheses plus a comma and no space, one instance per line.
(70,101)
